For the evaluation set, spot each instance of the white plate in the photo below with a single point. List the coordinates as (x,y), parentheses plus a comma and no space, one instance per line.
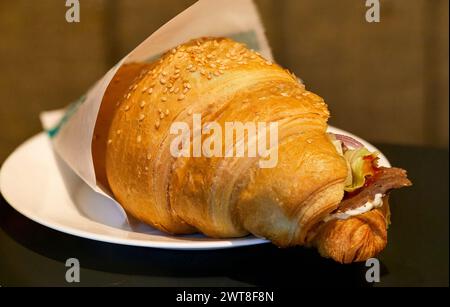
(41,187)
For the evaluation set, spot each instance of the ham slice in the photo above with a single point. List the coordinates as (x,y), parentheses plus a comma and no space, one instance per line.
(385,180)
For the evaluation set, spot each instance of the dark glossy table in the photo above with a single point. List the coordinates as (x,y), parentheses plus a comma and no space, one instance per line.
(417,254)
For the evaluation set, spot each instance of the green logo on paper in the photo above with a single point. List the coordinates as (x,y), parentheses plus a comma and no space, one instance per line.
(71,109)
(248,38)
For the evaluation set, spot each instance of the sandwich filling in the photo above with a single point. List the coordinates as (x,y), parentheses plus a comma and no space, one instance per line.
(367,183)
(377,202)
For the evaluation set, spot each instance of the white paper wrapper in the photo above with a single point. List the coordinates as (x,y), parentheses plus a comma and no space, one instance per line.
(72,133)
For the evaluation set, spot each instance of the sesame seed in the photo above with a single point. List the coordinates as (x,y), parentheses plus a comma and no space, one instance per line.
(119,132)
(163,99)
(177,90)
(150,91)
(185,91)
(181,97)
(149,156)
(217,73)
(309,141)
(127,108)
(142,105)
(128,96)
(163,81)
(190,112)
(157,124)
(161,115)
(269,63)
(165,90)
(172,90)
(144,89)
(173,51)
(167,112)
(139,139)
(141,117)
(110,142)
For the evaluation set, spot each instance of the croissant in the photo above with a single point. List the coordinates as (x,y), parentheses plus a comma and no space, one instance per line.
(228,197)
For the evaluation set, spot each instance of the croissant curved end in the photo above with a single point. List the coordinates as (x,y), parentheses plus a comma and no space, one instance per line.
(356,239)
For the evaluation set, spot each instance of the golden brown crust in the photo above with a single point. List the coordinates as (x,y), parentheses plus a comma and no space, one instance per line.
(119,86)
(225,197)
(355,239)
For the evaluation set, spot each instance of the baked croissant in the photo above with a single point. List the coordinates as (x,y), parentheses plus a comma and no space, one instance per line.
(228,197)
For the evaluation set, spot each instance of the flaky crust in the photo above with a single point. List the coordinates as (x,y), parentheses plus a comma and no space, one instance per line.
(223,197)
(355,239)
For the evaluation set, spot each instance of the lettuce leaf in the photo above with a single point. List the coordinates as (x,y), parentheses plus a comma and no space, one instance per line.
(361,163)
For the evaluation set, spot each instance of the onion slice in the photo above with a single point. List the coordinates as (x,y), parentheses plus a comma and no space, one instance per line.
(349,142)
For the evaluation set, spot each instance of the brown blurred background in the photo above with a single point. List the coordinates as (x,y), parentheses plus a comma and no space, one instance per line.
(387,82)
